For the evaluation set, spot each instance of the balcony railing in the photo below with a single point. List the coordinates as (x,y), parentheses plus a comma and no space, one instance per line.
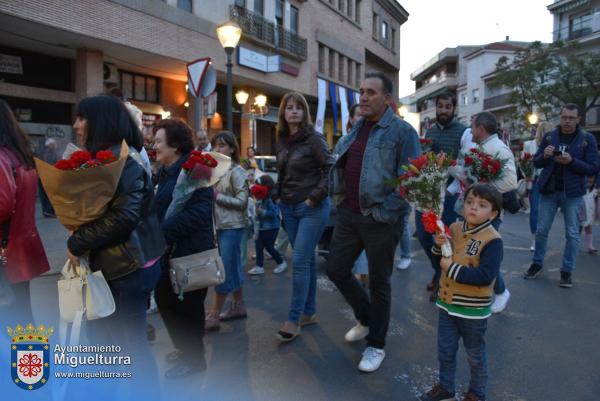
(497,101)
(586,27)
(256,26)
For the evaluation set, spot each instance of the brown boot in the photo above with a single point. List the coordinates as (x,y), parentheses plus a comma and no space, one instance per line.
(236,310)
(211,321)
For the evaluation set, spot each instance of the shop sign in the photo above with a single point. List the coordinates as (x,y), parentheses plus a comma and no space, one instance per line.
(258,61)
(11,64)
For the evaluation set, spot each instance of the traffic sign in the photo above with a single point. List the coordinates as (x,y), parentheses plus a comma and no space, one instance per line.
(196,71)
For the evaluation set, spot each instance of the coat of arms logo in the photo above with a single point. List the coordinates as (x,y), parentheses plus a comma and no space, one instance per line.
(30,355)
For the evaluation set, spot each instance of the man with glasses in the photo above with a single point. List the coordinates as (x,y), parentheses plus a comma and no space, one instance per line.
(568,155)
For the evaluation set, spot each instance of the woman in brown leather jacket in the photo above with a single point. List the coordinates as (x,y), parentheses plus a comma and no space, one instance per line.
(303,163)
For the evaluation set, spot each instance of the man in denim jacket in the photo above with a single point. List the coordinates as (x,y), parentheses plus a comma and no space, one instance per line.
(568,155)
(369,211)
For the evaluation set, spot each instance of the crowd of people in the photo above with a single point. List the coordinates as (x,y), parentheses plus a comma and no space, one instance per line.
(133,241)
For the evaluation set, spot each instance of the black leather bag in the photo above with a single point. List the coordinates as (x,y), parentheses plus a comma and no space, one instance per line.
(511,202)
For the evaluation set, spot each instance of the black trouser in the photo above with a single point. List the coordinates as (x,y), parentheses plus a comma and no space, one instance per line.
(184,319)
(353,233)
(45,202)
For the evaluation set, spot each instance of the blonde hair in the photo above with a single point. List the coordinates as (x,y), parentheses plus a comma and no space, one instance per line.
(282,126)
(542,128)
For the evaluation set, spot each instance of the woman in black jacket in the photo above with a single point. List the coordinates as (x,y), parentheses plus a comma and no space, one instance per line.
(187,231)
(126,242)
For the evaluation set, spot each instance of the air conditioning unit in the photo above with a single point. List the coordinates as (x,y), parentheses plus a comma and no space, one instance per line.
(110,74)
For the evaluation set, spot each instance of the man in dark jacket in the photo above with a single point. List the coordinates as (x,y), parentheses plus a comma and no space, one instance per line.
(568,155)
(369,211)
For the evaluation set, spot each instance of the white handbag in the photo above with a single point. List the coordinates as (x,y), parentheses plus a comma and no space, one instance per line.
(82,292)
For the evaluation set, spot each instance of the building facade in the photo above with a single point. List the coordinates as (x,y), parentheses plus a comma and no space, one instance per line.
(54,53)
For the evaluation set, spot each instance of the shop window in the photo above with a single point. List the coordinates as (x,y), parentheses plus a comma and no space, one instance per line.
(140,87)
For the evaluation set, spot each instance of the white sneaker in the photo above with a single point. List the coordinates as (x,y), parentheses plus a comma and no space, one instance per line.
(532,247)
(403,264)
(356,333)
(500,302)
(253,256)
(256,270)
(268,256)
(371,360)
(280,268)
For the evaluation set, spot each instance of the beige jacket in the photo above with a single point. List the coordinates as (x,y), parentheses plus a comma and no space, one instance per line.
(232,199)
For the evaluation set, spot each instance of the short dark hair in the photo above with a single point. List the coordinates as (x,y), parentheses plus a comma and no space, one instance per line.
(108,123)
(178,134)
(116,92)
(487,120)
(266,180)
(386,83)
(572,106)
(487,192)
(228,138)
(12,136)
(352,110)
(446,96)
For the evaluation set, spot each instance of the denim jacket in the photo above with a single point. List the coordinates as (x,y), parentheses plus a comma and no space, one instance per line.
(392,141)
(584,152)
(268,218)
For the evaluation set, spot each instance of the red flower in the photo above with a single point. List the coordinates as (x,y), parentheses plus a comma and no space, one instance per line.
(420,162)
(105,156)
(209,160)
(468,160)
(486,162)
(429,220)
(527,156)
(63,165)
(402,191)
(453,163)
(189,164)
(259,192)
(80,157)
(425,141)
(91,163)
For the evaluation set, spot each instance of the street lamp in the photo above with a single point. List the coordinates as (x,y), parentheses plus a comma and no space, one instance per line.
(532,118)
(241,97)
(229,34)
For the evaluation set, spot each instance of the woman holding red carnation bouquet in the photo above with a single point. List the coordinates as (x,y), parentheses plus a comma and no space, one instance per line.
(188,230)
(25,256)
(125,242)
(268,222)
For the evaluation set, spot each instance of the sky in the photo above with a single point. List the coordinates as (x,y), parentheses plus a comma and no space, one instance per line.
(434,25)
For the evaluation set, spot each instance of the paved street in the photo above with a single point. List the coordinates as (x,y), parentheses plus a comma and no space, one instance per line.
(544,347)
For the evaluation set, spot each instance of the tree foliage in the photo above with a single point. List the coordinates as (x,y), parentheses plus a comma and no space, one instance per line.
(545,77)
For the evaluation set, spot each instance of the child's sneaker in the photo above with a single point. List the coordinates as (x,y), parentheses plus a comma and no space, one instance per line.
(280,267)
(437,393)
(256,270)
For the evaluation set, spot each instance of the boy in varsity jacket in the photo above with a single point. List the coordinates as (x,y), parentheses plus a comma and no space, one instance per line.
(466,291)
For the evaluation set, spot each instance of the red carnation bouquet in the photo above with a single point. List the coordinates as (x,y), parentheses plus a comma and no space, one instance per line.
(200,170)
(482,167)
(83,159)
(81,186)
(526,165)
(425,144)
(424,185)
(259,192)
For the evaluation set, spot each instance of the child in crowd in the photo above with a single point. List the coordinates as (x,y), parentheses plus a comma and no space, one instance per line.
(466,290)
(267,224)
(588,215)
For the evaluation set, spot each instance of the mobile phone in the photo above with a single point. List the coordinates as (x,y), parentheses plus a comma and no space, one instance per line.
(558,153)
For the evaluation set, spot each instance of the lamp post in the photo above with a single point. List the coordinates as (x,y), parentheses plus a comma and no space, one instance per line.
(229,34)
(258,108)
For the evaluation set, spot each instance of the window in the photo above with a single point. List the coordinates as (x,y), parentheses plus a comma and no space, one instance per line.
(358,76)
(393,39)
(375,23)
(580,26)
(140,87)
(259,7)
(185,5)
(465,99)
(475,95)
(350,9)
(357,12)
(341,67)
(349,74)
(341,5)
(384,32)
(331,63)
(240,3)
(294,19)
(279,12)
(322,50)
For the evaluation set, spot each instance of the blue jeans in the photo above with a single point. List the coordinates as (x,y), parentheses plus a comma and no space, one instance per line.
(127,328)
(472,331)
(449,216)
(404,243)
(534,206)
(266,240)
(570,209)
(230,241)
(304,226)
